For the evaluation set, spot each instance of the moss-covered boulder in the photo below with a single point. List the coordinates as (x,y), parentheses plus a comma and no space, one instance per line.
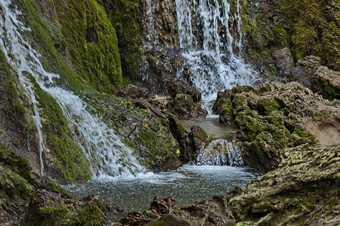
(273,116)
(303,190)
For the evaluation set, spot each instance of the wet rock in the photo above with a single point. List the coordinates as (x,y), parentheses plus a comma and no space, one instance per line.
(283,61)
(303,190)
(132,92)
(222,107)
(196,140)
(180,87)
(223,98)
(273,116)
(164,210)
(184,106)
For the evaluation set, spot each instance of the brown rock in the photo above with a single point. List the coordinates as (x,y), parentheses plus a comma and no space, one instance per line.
(133,92)
(184,106)
(180,87)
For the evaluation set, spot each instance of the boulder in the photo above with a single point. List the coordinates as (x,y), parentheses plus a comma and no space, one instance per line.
(283,61)
(274,116)
(132,92)
(304,70)
(196,140)
(326,82)
(303,190)
(184,106)
(319,78)
(164,211)
(180,87)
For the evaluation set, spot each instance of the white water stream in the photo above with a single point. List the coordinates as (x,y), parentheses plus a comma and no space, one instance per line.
(106,153)
(209,51)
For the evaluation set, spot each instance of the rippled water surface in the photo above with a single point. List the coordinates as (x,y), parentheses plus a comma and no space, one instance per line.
(186,185)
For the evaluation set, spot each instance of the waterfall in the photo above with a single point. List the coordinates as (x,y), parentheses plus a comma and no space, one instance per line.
(103,148)
(207,45)
(220,152)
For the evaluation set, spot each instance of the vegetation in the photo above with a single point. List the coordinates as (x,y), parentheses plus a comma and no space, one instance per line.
(307,27)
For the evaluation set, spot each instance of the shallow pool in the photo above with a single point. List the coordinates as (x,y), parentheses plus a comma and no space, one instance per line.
(187,184)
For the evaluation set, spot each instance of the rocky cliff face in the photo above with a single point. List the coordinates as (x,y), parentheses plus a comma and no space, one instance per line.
(305,27)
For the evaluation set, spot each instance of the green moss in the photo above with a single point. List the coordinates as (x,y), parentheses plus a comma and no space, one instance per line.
(158,150)
(124,16)
(54,187)
(266,106)
(69,158)
(13,188)
(92,214)
(92,42)
(17,163)
(82,32)
(325,88)
(53,215)
(307,27)
(46,37)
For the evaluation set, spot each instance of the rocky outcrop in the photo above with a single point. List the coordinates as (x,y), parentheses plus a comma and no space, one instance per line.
(306,27)
(184,106)
(180,87)
(274,116)
(133,92)
(303,190)
(185,100)
(165,211)
(320,79)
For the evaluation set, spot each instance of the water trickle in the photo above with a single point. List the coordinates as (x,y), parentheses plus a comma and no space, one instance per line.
(220,152)
(207,45)
(106,153)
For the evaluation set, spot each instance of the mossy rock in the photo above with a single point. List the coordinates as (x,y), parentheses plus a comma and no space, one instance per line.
(302,190)
(274,116)
(307,27)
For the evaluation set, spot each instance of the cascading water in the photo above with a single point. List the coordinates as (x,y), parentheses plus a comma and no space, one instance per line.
(220,152)
(106,153)
(207,45)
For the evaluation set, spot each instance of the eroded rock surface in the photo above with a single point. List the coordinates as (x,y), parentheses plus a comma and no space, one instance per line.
(274,116)
(303,190)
